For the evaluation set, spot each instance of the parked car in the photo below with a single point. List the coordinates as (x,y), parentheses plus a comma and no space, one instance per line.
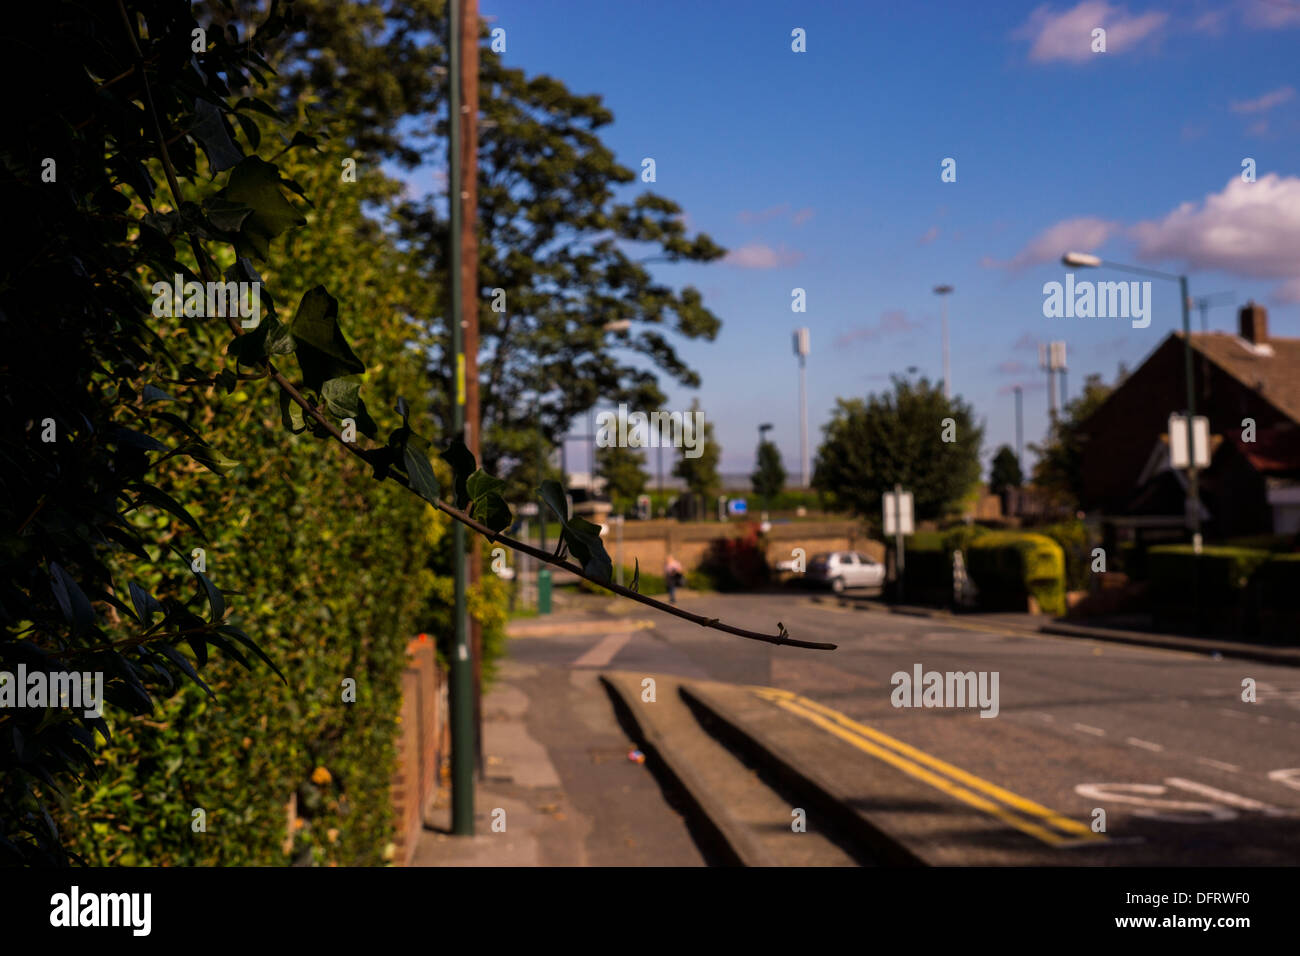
(845,569)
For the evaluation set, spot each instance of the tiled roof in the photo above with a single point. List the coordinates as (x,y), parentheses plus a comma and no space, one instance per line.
(1272,370)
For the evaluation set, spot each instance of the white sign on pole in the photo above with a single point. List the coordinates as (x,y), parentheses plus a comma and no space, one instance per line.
(1178,457)
(896,521)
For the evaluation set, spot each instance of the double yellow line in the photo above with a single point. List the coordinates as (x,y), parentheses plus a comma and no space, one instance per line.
(1025,815)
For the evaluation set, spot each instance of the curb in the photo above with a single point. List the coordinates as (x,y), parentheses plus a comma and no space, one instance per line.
(1174,642)
(1285,657)
(742,847)
(775,759)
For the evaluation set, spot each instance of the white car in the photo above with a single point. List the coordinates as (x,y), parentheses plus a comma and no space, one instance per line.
(846,569)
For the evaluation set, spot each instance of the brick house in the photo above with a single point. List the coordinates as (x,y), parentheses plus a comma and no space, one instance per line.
(1251,486)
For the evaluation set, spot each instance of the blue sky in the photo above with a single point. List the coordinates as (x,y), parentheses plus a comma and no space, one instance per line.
(821,170)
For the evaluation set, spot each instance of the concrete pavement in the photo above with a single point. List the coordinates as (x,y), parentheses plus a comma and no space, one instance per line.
(1160,741)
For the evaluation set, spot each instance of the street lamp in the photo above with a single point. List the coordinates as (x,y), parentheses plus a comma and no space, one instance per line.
(762,437)
(801,349)
(943,291)
(1086,261)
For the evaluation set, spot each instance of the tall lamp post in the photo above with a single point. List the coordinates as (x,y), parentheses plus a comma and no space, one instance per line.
(762,436)
(801,349)
(1086,261)
(943,291)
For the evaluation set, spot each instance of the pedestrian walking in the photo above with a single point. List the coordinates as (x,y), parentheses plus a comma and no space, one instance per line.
(672,577)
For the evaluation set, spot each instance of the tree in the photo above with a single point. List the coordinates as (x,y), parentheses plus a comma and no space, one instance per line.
(1005,471)
(769,477)
(624,472)
(899,438)
(1057,471)
(560,258)
(701,471)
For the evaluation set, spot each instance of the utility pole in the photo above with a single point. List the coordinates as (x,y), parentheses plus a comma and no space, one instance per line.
(801,349)
(943,291)
(463,690)
(1020,431)
(469,314)
(1193,492)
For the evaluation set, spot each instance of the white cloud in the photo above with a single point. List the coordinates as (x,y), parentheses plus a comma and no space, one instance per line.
(1262,104)
(1249,229)
(759,255)
(1083,234)
(1067,35)
(893,322)
(931,234)
(1271,14)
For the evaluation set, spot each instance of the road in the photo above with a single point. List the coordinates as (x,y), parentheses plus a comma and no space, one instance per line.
(1186,772)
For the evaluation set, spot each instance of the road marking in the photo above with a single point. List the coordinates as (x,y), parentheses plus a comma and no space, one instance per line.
(1095,731)
(1288,777)
(1224,796)
(1144,796)
(603,652)
(1047,717)
(1218,764)
(897,754)
(1231,713)
(1144,744)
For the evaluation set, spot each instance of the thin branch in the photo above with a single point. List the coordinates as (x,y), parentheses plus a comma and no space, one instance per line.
(455,513)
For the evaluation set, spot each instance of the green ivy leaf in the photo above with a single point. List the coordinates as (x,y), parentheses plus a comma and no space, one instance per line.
(463,465)
(322,349)
(415,459)
(225,214)
(256,183)
(210,130)
(342,397)
(580,535)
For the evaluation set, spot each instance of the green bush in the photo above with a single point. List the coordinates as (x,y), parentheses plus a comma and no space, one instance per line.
(338,572)
(1202,593)
(1073,538)
(1009,566)
(736,564)
(1278,580)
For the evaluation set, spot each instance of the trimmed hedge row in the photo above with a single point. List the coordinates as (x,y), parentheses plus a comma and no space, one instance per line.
(1007,568)
(1234,592)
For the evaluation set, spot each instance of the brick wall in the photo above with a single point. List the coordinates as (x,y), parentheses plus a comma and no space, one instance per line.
(650,542)
(422,742)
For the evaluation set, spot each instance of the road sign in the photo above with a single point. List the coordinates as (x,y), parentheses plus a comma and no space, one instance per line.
(738,506)
(1178,457)
(898,512)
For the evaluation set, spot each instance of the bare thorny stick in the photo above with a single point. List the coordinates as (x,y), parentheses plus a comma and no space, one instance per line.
(308,408)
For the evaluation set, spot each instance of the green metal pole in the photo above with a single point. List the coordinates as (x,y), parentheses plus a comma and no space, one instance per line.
(1193,494)
(462,674)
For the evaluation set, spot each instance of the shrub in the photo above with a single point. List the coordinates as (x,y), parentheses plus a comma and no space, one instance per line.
(736,564)
(1278,580)
(1204,592)
(1008,567)
(1074,540)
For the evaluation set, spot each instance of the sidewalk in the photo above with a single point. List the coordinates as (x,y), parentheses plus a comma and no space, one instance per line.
(556,768)
(1045,624)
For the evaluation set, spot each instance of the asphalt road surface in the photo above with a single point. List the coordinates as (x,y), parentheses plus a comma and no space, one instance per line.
(1185,770)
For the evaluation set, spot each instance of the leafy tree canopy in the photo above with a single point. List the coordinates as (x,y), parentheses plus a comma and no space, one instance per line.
(899,438)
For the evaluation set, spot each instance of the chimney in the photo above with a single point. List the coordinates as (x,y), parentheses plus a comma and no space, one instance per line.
(1252,322)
